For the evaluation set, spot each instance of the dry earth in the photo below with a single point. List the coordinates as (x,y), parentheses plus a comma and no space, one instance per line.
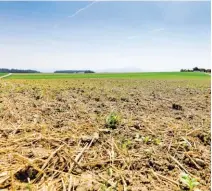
(53,134)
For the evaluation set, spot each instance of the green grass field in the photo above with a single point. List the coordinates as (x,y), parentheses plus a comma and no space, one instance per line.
(147,75)
(2,74)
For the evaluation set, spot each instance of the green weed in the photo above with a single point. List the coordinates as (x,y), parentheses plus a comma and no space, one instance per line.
(112,120)
(146,140)
(188,182)
(126,144)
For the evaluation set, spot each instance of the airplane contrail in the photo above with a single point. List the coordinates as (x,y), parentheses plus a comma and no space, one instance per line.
(77,12)
(82,9)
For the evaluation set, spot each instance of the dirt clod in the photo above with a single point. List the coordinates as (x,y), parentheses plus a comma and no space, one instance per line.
(26,174)
(177,107)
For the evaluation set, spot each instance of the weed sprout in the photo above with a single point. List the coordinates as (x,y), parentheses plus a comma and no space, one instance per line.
(112,120)
(188,182)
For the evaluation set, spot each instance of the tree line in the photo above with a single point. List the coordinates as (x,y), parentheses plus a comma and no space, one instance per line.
(6,70)
(196,69)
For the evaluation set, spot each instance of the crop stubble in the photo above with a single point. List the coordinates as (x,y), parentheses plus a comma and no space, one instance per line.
(53,134)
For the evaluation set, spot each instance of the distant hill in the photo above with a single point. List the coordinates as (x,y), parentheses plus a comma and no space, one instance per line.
(6,70)
(74,71)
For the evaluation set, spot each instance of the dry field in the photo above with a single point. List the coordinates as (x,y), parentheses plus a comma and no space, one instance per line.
(53,134)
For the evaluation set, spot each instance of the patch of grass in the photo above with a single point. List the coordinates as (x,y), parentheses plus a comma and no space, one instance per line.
(2,74)
(144,75)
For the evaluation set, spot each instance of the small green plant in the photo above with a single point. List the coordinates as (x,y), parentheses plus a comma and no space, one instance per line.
(188,182)
(106,186)
(29,187)
(147,139)
(157,141)
(112,120)
(126,144)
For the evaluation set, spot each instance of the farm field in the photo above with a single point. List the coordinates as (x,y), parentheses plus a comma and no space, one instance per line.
(147,75)
(56,135)
(2,74)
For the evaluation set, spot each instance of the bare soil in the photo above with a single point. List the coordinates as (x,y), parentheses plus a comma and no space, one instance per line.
(53,134)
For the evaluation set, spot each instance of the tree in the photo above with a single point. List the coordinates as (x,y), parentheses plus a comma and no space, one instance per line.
(6,70)
(195,69)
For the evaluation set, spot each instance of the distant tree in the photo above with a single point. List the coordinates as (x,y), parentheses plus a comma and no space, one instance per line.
(195,69)
(6,70)
(89,71)
(202,69)
(185,70)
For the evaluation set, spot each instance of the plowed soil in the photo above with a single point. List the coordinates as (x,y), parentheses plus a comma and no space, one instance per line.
(53,134)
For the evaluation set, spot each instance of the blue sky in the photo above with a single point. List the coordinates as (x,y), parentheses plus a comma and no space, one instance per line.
(150,36)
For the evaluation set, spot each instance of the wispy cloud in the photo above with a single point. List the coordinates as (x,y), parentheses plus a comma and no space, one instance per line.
(82,9)
(132,37)
(151,31)
(157,30)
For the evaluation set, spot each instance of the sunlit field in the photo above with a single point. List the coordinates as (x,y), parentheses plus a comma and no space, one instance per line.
(124,132)
(147,75)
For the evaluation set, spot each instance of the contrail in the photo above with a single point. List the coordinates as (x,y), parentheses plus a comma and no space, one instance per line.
(82,9)
(77,12)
